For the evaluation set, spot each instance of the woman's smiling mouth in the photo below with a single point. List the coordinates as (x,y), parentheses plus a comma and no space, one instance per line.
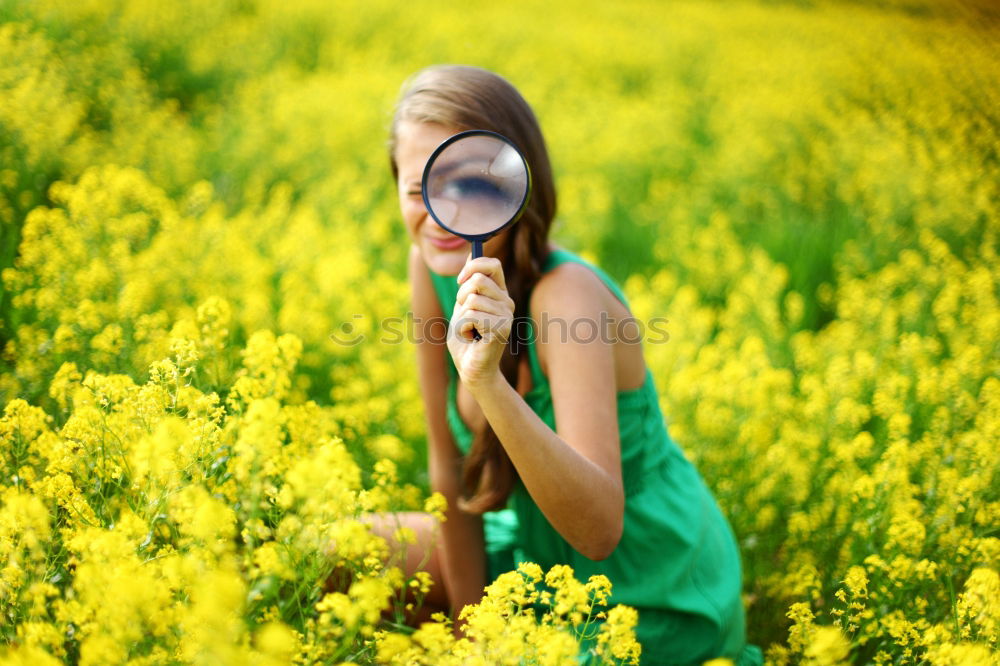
(448,243)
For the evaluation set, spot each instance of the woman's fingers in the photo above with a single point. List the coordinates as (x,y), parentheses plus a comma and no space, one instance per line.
(483,308)
(483,314)
(481,321)
(477,306)
(490,311)
(488,326)
(480,303)
(488,266)
(480,287)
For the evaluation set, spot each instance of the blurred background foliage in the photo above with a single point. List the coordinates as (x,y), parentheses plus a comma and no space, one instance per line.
(808,191)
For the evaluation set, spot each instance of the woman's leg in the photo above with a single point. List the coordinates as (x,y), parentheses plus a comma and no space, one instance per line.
(422,555)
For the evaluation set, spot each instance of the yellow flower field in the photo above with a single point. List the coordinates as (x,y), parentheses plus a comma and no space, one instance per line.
(206,383)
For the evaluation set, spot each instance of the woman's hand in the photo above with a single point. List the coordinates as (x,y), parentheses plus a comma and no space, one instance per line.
(484,307)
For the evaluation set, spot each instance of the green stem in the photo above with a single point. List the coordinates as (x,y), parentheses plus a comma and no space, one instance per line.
(954,605)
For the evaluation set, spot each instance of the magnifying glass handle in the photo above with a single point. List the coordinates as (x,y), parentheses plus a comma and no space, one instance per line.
(477,251)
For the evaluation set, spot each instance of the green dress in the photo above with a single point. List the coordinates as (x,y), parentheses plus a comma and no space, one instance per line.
(677,562)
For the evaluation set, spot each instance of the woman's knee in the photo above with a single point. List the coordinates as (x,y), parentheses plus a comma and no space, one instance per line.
(413,542)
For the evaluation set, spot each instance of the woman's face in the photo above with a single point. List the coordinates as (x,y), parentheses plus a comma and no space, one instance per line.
(444,253)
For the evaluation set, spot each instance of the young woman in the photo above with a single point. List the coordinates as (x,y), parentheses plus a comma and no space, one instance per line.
(549,447)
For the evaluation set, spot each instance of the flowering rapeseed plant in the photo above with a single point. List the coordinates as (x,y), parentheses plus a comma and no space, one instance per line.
(527,617)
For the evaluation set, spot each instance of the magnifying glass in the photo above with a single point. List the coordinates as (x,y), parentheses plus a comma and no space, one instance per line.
(475,185)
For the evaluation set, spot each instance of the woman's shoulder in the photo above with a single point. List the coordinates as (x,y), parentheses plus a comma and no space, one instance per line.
(569,284)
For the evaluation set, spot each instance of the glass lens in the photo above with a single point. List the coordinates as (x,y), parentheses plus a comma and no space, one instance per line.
(476,185)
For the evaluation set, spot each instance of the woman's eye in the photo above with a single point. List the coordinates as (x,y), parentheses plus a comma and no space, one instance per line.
(461,188)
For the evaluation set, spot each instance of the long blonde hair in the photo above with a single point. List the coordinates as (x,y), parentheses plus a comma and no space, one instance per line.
(467,97)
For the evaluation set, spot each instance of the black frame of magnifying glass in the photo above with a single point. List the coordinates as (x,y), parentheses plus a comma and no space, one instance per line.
(477,240)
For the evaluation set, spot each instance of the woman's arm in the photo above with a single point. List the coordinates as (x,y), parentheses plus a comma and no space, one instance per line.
(574,476)
(463,555)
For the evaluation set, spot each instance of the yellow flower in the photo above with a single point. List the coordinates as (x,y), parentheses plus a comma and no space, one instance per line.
(277,641)
(436,505)
(617,638)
